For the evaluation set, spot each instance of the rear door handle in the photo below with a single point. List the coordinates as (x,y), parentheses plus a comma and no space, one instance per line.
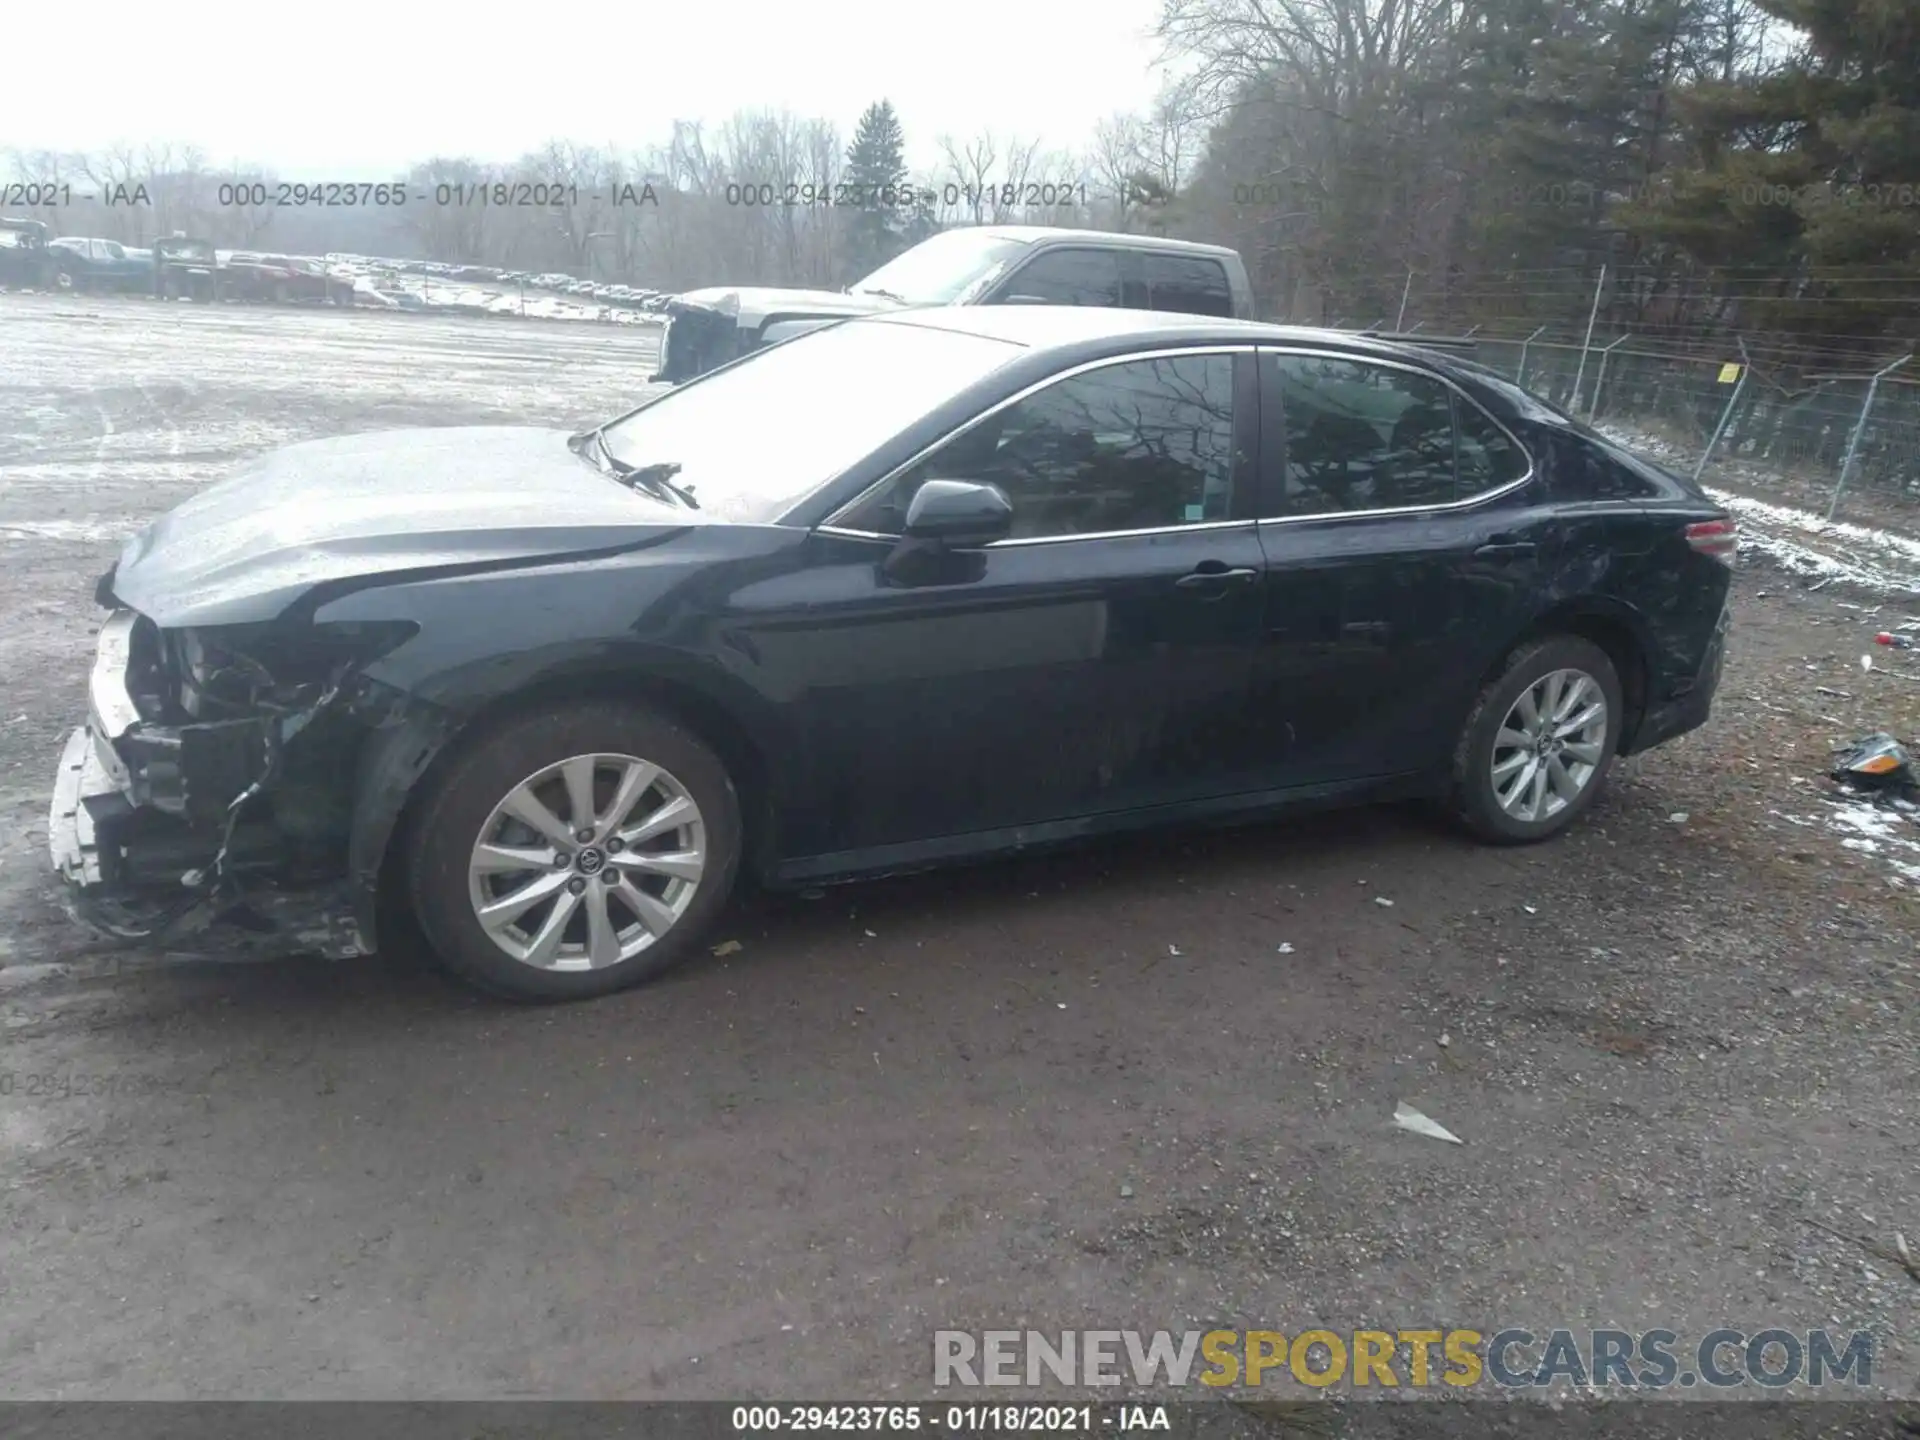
(1506,547)
(1214,576)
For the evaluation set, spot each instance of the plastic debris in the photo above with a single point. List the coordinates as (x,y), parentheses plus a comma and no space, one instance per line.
(1126,1192)
(1382,900)
(1897,642)
(1408,1118)
(1876,762)
(1679,817)
(727,947)
(1285,948)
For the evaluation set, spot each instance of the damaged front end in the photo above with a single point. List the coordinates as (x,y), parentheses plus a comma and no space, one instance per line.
(213,782)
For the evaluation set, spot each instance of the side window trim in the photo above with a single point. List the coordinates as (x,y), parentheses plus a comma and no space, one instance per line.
(1245,465)
(1273,441)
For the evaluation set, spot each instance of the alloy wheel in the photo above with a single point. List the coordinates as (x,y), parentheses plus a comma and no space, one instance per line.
(587,862)
(1549,748)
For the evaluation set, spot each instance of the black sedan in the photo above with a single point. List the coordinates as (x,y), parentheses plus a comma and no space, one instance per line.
(904,590)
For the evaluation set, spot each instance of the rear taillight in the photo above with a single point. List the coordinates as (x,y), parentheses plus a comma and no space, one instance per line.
(1718,538)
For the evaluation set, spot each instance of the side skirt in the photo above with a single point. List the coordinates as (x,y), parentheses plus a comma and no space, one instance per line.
(1230,810)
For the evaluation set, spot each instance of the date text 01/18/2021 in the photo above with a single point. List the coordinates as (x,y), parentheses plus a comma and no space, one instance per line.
(975,1419)
(1026,194)
(497,194)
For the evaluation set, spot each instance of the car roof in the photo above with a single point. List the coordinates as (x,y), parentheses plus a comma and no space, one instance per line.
(1047,327)
(1110,239)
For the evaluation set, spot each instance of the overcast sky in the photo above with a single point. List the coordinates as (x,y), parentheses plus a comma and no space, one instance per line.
(354,89)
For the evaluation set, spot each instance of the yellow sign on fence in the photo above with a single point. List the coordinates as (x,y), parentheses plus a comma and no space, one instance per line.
(1729,373)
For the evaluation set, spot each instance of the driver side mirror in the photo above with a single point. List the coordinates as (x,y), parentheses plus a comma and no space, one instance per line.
(958,514)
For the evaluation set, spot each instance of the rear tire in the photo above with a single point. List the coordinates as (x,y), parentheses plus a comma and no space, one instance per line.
(1534,753)
(609,910)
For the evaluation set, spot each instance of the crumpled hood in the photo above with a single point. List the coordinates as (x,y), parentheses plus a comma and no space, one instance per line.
(753,304)
(386,503)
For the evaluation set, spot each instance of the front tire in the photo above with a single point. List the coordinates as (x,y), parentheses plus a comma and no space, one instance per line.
(1537,747)
(575,851)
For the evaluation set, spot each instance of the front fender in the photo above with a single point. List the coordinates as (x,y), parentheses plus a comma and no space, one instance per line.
(634,625)
(391,765)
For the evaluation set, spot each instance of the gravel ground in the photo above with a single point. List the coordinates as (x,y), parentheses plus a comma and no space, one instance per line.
(1144,1085)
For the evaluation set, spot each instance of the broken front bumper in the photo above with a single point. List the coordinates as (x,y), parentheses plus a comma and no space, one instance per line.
(72,833)
(134,869)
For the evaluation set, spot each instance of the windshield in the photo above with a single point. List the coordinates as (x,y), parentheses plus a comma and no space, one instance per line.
(940,270)
(753,439)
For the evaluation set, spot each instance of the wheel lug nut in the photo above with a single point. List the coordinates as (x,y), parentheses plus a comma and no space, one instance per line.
(562,860)
(583,836)
(610,877)
(614,846)
(577,886)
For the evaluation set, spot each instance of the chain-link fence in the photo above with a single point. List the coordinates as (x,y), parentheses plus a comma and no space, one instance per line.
(1823,420)
(1845,444)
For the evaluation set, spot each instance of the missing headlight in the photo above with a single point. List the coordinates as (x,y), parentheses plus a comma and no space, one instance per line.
(245,669)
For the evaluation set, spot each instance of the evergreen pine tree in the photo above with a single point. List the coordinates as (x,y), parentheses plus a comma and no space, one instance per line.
(1811,172)
(876,178)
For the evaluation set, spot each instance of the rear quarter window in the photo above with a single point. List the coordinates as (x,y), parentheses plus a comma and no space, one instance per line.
(1584,470)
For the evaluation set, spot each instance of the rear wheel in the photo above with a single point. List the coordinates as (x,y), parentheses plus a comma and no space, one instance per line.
(1536,748)
(574,852)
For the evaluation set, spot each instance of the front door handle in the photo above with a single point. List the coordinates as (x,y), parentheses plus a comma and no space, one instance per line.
(1212,575)
(1506,547)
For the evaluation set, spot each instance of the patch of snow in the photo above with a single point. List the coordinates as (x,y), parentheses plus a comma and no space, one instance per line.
(88,530)
(1889,835)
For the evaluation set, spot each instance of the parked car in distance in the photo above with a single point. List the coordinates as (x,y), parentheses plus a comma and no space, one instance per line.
(900,591)
(315,283)
(77,262)
(972,265)
(24,260)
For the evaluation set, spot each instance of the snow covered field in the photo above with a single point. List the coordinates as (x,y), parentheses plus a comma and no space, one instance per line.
(112,409)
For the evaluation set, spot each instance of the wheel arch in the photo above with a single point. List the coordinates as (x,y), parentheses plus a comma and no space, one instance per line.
(1615,628)
(400,766)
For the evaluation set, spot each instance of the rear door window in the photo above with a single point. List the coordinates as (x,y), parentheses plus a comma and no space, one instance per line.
(1361,436)
(1188,284)
(1489,456)
(1067,277)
